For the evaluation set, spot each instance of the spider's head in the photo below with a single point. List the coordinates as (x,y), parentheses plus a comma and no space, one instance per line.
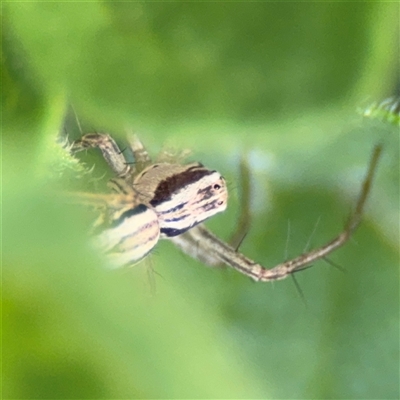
(188,198)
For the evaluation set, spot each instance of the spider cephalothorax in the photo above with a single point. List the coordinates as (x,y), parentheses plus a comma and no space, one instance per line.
(182,196)
(170,200)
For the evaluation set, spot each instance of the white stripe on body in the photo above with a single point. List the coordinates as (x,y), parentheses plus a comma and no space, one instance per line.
(192,204)
(130,239)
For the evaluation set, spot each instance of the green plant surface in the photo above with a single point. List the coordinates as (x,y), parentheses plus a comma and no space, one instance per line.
(277,82)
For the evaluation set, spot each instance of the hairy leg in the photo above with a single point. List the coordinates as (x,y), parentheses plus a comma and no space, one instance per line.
(109,149)
(212,248)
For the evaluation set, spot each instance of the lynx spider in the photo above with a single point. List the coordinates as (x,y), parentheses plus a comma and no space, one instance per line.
(146,196)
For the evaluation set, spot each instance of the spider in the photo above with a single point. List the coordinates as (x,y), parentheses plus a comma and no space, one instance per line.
(166,199)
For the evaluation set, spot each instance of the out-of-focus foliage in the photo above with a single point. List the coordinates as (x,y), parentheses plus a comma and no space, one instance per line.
(278,81)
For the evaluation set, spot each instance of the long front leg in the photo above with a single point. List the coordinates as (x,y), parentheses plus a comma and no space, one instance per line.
(214,248)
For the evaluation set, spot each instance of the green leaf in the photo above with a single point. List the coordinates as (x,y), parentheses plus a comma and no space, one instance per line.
(280,82)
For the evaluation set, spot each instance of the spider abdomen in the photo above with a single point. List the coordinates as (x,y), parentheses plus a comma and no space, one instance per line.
(131,237)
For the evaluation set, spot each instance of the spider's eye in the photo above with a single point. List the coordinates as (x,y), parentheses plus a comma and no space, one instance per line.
(220,203)
(217,187)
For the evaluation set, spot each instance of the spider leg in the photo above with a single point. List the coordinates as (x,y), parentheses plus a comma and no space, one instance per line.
(142,158)
(192,243)
(296,264)
(244,221)
(114,157)
(109,149)
(215,249)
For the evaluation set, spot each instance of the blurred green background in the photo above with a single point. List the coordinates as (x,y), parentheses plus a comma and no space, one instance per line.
(281,82)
